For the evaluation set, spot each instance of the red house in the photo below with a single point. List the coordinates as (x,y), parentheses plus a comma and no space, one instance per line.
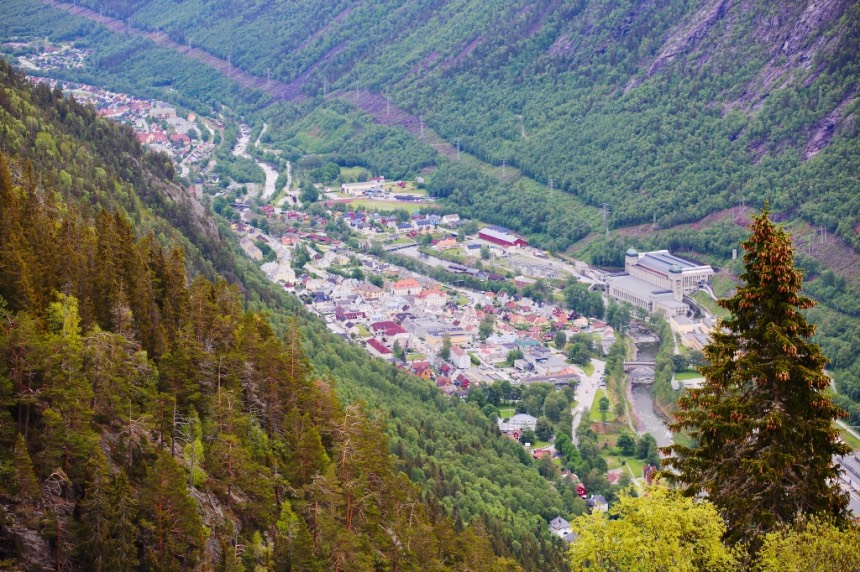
(504,239)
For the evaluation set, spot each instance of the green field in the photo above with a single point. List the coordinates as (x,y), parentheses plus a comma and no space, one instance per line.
(850,439)
(595,415)
(539,444)
(383,206)
(710,304)
(351,173)
(506,411)
(689,374)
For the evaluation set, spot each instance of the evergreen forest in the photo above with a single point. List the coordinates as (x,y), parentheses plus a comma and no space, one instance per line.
(161,413)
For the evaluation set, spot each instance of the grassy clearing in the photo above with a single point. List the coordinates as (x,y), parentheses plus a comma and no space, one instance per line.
(507,411)
(689,374)
(409,188)
(723,285)
(363,331)
(636,465)
(588,368)
(385,206)
(710,304)
(349,173)
(595,414)
(415,356)
(539,444)
(850,439)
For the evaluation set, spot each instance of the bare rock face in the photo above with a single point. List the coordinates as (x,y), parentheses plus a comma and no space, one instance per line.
(792,41)
(690,33)
(823,130)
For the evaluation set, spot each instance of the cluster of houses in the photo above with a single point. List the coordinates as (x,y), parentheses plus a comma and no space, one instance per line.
(156,124)
(413,316)
(50,56)
(369,223)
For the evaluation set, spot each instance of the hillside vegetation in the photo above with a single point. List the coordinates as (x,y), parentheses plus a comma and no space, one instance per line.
(671,110)
(139,388)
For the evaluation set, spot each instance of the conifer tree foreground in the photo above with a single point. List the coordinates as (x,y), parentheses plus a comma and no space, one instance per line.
(762,420)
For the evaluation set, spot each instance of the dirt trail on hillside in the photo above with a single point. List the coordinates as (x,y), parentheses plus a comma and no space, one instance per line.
(277,89)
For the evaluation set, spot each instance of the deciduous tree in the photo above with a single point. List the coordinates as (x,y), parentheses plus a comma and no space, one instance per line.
(659,531)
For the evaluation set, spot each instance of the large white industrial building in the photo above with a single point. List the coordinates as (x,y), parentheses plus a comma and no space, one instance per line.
(658,281)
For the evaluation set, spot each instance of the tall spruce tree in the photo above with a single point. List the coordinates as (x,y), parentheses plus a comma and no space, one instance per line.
(762,421)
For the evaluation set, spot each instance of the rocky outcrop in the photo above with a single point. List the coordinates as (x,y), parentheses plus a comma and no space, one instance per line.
(688,35)
(823,131)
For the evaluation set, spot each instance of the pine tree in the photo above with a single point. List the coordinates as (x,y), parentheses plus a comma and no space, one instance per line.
(107,532)
(28,486)
(172,529)
(762,421)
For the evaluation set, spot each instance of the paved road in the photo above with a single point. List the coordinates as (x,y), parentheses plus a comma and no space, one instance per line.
(850,480)
(585,392)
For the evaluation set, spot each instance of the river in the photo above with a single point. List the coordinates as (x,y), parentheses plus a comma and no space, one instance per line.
(643,403)
(241,150)
(413,252)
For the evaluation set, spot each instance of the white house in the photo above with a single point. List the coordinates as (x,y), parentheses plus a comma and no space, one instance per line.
(518,422)
(460,358)
(559,527)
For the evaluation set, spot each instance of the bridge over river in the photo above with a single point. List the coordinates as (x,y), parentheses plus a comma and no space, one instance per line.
(631,365)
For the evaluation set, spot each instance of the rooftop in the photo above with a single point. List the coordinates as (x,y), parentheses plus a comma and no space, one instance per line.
(636,286)
(663,261)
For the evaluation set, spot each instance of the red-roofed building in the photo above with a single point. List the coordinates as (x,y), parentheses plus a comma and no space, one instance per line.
(433,297)
(459,357)
(376,348)
(422,369)
(387,329)
(504,239)
(406,287)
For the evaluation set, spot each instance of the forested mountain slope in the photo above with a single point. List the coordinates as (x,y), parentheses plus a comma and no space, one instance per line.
(155,415)
(666,110)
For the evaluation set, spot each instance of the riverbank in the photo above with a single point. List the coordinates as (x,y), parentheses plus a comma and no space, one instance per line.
(648,414)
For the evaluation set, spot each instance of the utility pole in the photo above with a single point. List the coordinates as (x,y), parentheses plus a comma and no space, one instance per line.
(654,221)
(268,77)
(387,103)
(551,183)
(421,126)
(458,148)
(504,168)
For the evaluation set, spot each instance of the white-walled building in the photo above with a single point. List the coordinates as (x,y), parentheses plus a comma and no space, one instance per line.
(658,281)
(518,422)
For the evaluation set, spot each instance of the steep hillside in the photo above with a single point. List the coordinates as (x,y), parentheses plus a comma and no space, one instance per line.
(154,417)
(671,110)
